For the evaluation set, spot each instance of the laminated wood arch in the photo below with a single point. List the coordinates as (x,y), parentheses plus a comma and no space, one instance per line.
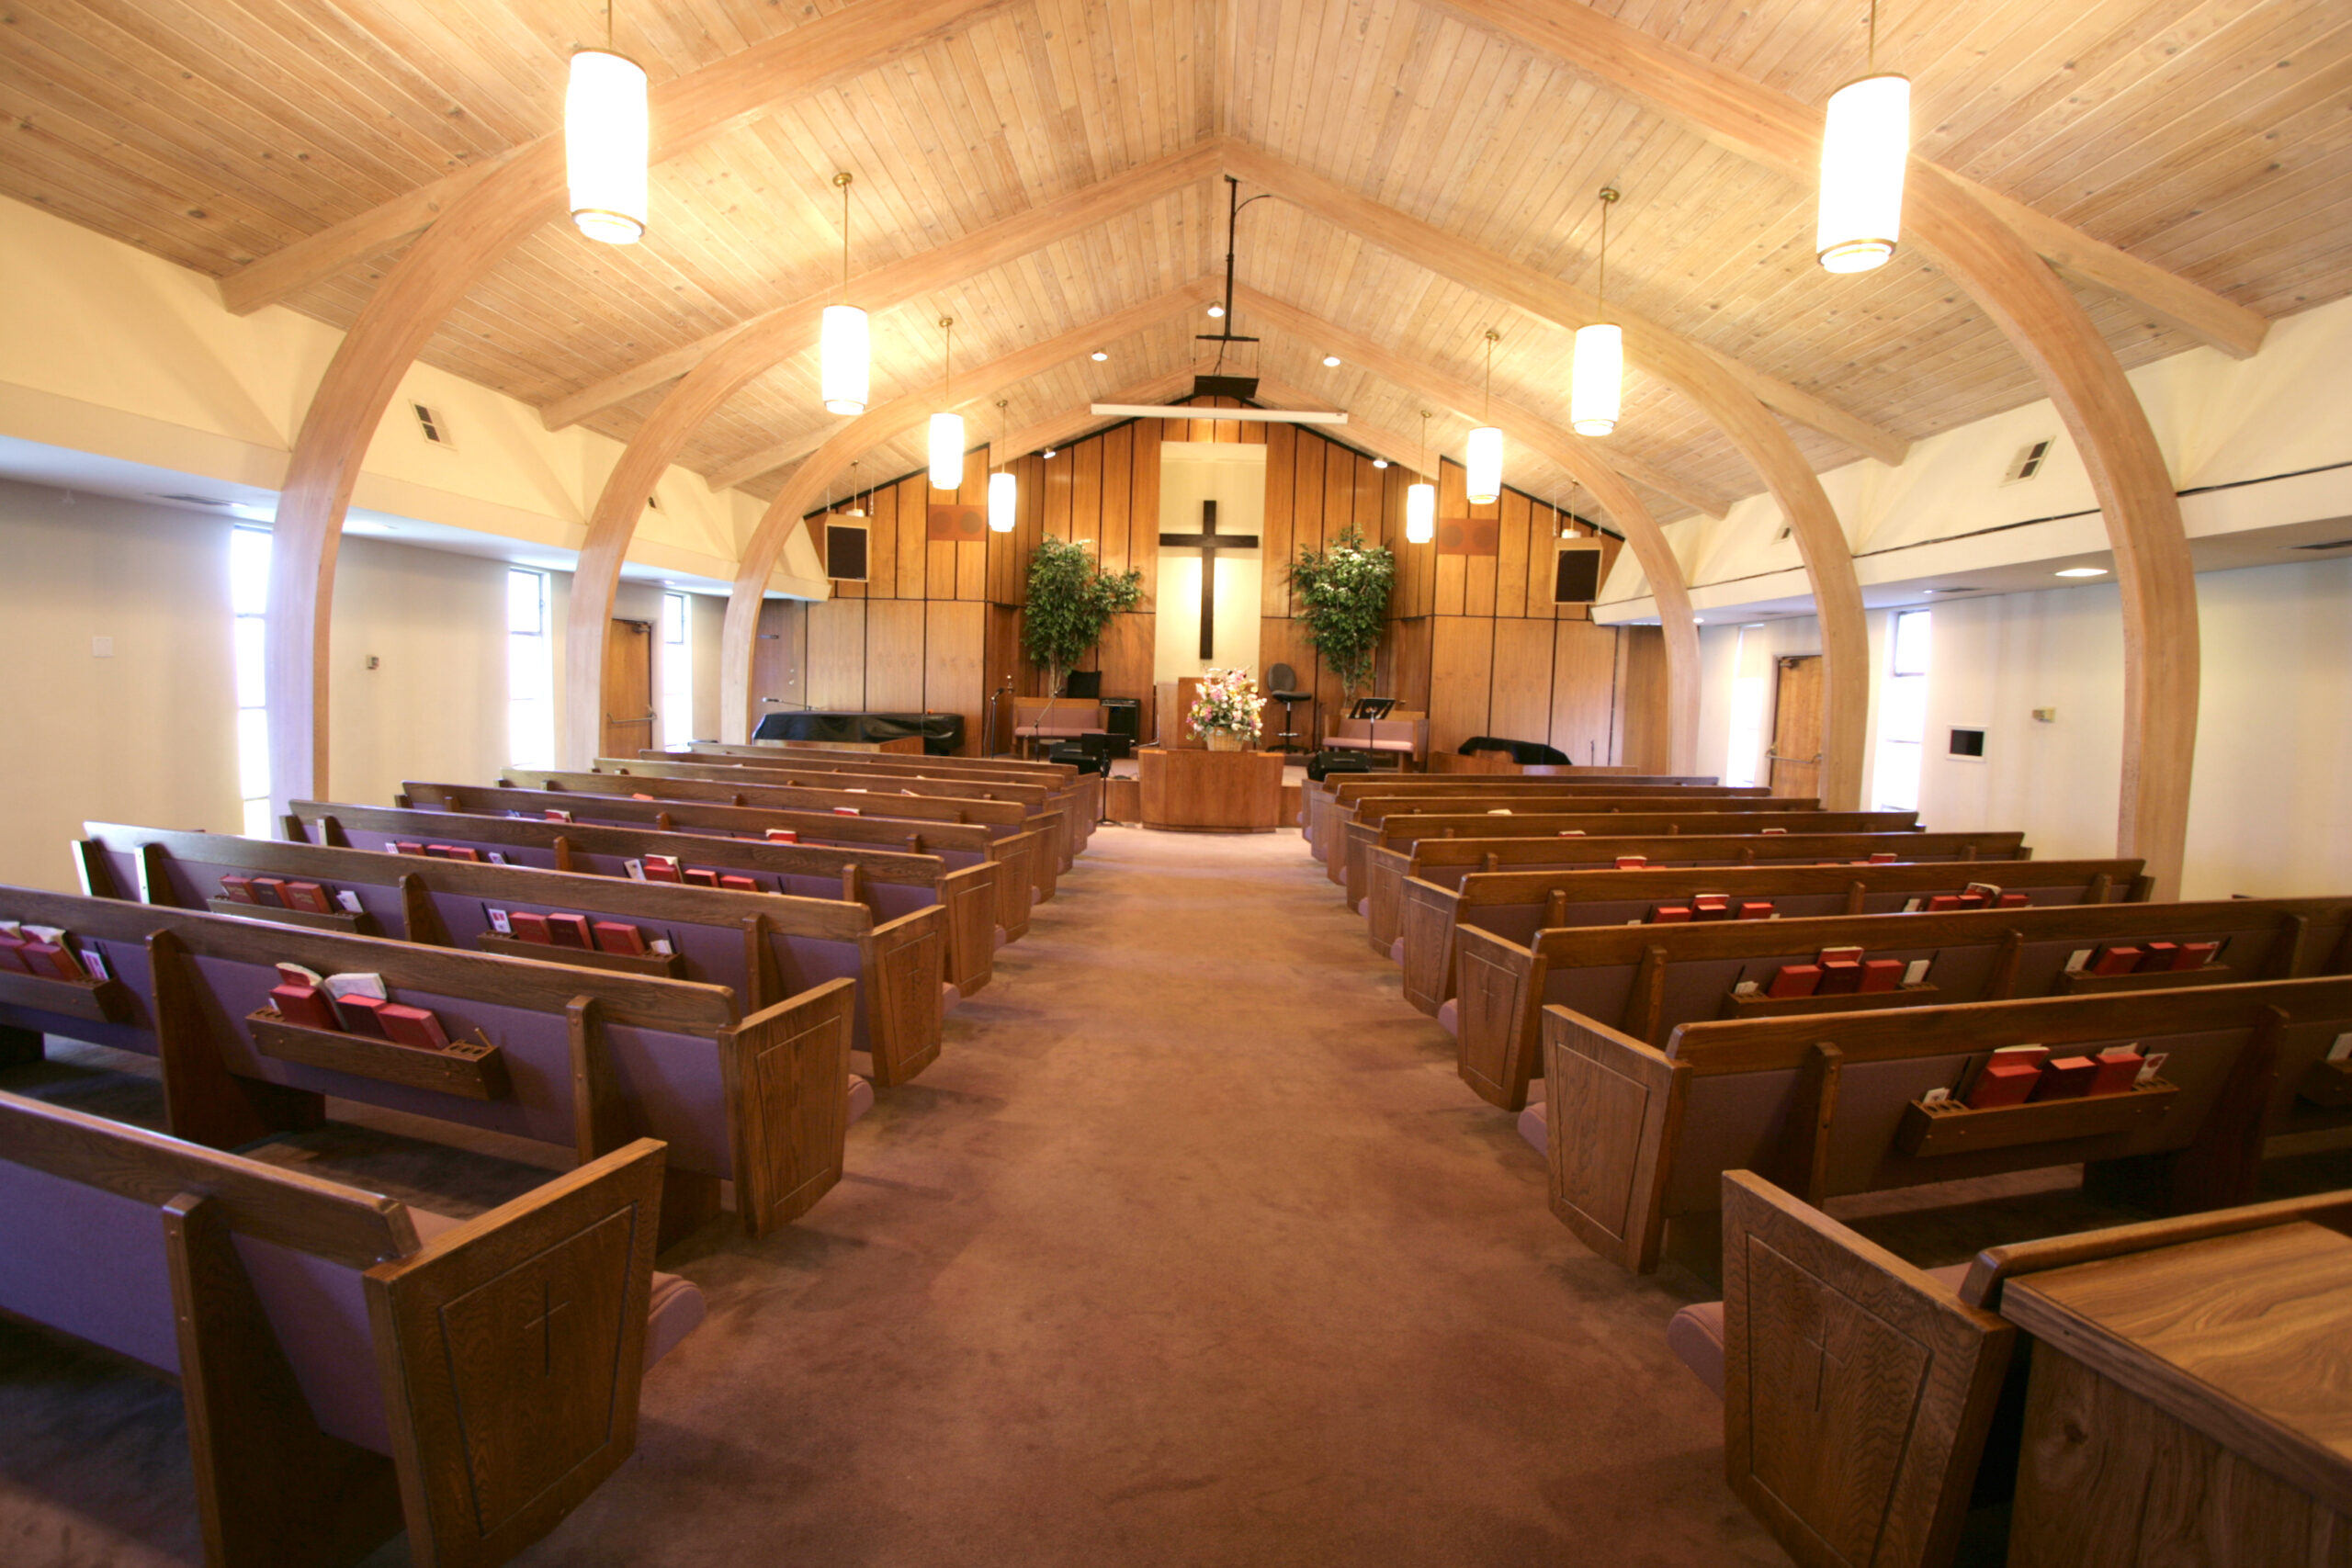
(495,213)
(2049,328)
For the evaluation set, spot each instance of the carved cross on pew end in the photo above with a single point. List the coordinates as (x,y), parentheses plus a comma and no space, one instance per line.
(1208,541)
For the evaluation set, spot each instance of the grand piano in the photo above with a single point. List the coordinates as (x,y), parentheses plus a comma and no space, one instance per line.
(942,733)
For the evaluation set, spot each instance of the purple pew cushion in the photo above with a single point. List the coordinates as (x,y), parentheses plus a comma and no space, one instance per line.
(1533,1122)
(949,997)
(1397,951)
(1449,1015)
(997,936)
(1696,1335)
(861,1098)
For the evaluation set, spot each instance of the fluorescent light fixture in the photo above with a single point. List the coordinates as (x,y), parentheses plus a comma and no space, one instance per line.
(843,348)
(1484,468)
(1596,378)
(1243,416)
(1865,144)
(1004,496)
(605,142)
(2084,572)
(947,451)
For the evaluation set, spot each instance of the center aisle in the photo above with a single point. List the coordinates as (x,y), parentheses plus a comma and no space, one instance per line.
(1190,1250)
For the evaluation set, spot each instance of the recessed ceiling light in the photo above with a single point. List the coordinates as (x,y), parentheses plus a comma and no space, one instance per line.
(1330,362)
(1049,454)
(1217,312)
(1380,462)
(2084,572)
(1099,356)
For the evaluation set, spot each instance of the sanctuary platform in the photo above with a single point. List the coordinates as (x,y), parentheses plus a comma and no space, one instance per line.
(1210,792)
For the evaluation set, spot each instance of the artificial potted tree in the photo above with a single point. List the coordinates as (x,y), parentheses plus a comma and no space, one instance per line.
(1070,601)
(1343,598)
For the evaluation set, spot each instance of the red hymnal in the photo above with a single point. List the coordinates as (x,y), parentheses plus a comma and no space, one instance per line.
(661,868)
(49,960)
(2015,900)
(737,881)
(2004,1083)
(1668,914)
(571,930)
(412,1026)
(1882,973)
(847,811)
(1794,980)
(2196,954)
(558,816)
(1756,912)
(1632,863)
(1940,902)
(460,852)
(1840,977)
(2118,960)
(702,876)
(2065,1078)
(616,936)
(12,954)
(1972,901)
(237,890)
(400,847)
(1883,857)
(359,1011)
(633,796)
(784,835)
(1711,906)
(304,1005)
(306,896)
(529,928)
(2157,955)
(2118,1069)
(271,890)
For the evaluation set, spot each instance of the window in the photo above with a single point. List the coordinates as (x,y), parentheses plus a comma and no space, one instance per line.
(1903,713)
(677,672)
(249,603)
(530,673)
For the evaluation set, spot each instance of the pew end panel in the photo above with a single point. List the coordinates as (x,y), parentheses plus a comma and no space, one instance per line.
(511,1351)
(1615,1108)
(787,1070)
(1427,914)
(904,1008)
(969,894)
(1858,1391)
(1500,990)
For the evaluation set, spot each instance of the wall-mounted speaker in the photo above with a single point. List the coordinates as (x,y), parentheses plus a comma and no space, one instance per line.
(845,551)
(1576,572)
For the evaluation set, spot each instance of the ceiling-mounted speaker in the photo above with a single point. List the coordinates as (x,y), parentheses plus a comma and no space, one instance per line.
(1242,387)
(1576,572)
(845,551)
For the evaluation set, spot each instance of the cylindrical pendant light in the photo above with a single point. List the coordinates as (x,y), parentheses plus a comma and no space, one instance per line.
(1004,492)
(843,347)
(1421,497)
(947,429)
(606,143)
(1597,376)
(1865,147)
(1483,463)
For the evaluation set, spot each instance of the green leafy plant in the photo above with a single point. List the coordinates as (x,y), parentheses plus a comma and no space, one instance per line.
(1070,601)
(1343,598)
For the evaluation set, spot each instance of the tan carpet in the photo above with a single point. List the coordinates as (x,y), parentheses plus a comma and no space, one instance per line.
(1190,1249)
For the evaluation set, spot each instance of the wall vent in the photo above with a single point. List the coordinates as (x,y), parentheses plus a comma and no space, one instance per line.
(435,429)
(1784,535)
(2028,462)
(653,502)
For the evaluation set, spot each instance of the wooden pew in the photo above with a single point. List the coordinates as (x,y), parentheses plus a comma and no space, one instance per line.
(961,881)
(351,1367)
(1829,1105)
(1339,793)
(1646,980)
(1061,775)
(761,946)
(1445,862)
(1859,1390)
(1349,823)
(1403,832)
(578,1057)
(1029,867)
(1038,796)
(1515,905)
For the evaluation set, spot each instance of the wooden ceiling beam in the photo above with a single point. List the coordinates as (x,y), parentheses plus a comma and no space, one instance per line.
(1766,126)
(802,493)
(790,329)
(1646,343)
(473,233)
(1978,242)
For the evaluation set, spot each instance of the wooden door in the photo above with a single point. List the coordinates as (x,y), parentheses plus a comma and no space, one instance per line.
(1796,727)
(628,689)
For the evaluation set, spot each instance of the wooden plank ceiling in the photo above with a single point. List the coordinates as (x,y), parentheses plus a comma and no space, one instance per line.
(2208,137)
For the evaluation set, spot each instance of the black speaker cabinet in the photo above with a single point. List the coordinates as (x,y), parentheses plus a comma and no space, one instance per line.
(1124,715)
(1576,572)
(845,551)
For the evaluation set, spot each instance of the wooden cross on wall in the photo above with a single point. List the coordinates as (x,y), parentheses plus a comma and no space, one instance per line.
(1208,541)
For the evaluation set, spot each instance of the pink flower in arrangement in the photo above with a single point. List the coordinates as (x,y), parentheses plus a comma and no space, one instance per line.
(1228,701)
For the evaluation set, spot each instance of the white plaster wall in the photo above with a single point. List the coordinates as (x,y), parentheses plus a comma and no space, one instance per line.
(1233,474)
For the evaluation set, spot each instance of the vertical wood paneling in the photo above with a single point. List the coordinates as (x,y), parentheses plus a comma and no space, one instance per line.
(1117,484)
(1462,655)
(837,654)
(953,674)
(1478,577)
(1282,448)
(1004,663)
(1453,572)
(1641,707)
(894,659)
(780,657)
(1143,512)
(1518,705)
(1584,702)
(910,504)
(1086,495)
(1405,670)
(1515,552)
(1124,656)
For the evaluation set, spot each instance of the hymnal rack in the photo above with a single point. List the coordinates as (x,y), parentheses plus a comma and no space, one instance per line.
(467,1068)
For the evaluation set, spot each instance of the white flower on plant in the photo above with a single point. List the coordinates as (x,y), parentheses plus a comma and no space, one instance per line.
(1228,701)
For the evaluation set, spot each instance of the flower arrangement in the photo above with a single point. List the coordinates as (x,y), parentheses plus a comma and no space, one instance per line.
(1227,703)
